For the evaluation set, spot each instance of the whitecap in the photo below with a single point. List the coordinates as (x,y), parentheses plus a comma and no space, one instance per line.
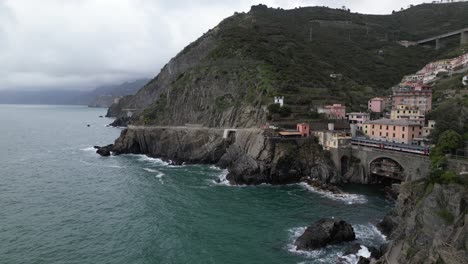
(159,174)
(348,198)
(103,166)
(221,178)
(89,149)
(369,232)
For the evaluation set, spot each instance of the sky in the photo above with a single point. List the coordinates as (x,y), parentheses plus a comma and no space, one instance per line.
(82,44)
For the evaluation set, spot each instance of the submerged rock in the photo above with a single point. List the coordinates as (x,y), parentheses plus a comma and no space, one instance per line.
(325,232)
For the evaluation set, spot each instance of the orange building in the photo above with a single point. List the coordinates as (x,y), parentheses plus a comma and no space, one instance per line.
(398,131)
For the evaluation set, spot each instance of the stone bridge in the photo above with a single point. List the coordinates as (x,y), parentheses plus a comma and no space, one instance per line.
(436,39)
(373,163)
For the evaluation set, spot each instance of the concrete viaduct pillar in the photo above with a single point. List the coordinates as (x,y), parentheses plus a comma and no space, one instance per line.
(437,43)
(464,38)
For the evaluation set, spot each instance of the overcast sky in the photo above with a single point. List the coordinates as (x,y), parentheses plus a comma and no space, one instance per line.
(80,44)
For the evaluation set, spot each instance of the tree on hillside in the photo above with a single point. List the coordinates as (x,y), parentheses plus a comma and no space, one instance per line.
(449,141)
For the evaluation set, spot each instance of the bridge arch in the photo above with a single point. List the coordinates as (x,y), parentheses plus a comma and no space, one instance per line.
(385,169)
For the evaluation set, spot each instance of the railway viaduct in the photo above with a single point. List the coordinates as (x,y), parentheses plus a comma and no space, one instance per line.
(436,39)
(374,162)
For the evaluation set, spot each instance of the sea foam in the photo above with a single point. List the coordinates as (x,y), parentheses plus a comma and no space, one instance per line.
(348,198)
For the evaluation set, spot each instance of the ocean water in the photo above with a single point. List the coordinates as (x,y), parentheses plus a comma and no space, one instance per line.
(62,203)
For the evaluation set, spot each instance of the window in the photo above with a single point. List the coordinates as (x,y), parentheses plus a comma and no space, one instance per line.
(402,135)
(412,136)
(387,127)
(403,129)
(372,132)
(394,128)
(386,134)
(372,126)
(380,133)
(413,128)
(419,132)
(380,126)
(393,134)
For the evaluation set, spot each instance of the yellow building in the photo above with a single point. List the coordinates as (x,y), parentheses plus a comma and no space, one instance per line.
(408,113)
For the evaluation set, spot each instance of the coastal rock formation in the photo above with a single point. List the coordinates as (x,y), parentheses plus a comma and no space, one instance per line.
(250,157)
(325,232)
(428,224)
(104,151)
(177,145)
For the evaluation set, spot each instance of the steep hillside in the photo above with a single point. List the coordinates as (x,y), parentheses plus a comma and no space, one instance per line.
(104,96)
(229,75)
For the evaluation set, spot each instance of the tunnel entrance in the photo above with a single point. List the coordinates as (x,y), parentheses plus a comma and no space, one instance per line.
(386,171)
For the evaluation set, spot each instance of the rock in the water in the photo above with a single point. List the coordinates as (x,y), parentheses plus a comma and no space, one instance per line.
(325,232)
(363,260)
(104,151)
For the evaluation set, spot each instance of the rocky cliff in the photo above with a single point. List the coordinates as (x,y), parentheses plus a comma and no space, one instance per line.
(428,225)
(231,74)
(249,156)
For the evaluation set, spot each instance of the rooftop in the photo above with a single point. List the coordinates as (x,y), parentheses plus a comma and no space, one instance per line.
(357,113)
(393,122)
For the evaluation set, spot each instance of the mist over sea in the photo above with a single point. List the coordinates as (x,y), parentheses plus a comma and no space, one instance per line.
(62,203)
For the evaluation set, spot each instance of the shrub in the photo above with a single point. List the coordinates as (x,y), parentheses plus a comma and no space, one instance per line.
(285,111)
(446,215)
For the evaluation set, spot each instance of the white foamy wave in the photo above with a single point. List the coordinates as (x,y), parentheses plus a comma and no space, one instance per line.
(369,232)
(321,255)
(89,149)
(106,166)
(354,258)
(221,178)
(348,198)
(159,174)
(145,158)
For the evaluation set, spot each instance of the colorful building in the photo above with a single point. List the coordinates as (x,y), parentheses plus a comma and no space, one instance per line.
(419,97)
(358,118)
(409,113)
(335,111)
(376,105)
(333,139)
(393,130)
(304,129)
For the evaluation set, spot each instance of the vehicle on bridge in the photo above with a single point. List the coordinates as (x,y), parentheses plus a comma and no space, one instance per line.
(391,146)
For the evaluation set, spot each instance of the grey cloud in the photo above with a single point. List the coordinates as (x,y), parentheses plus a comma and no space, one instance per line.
(85,43)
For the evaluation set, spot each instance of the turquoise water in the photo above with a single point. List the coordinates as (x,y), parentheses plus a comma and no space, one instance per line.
(61,203)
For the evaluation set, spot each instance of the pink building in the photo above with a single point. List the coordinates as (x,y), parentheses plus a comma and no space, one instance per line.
(376,105)
(358,118)
(335,111)
(398,131)
(415,97)
(304,129)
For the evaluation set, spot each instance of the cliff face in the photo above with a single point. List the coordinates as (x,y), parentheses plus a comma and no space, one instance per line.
(428,225)
(249,157)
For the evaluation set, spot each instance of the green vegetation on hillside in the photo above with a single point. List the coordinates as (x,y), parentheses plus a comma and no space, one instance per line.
(268,52)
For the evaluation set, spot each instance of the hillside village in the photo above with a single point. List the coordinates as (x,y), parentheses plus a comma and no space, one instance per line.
(399,121)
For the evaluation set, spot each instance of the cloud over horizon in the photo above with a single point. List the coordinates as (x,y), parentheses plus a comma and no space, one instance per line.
(81,44)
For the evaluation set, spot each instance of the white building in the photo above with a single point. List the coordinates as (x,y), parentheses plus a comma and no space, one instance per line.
(279,100)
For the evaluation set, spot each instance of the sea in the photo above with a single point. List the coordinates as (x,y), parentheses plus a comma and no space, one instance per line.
(62,203)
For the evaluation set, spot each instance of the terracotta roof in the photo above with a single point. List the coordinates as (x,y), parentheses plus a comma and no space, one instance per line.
(290,133)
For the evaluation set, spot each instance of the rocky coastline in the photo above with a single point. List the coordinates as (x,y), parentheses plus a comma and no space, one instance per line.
(427,222)
(249,156)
